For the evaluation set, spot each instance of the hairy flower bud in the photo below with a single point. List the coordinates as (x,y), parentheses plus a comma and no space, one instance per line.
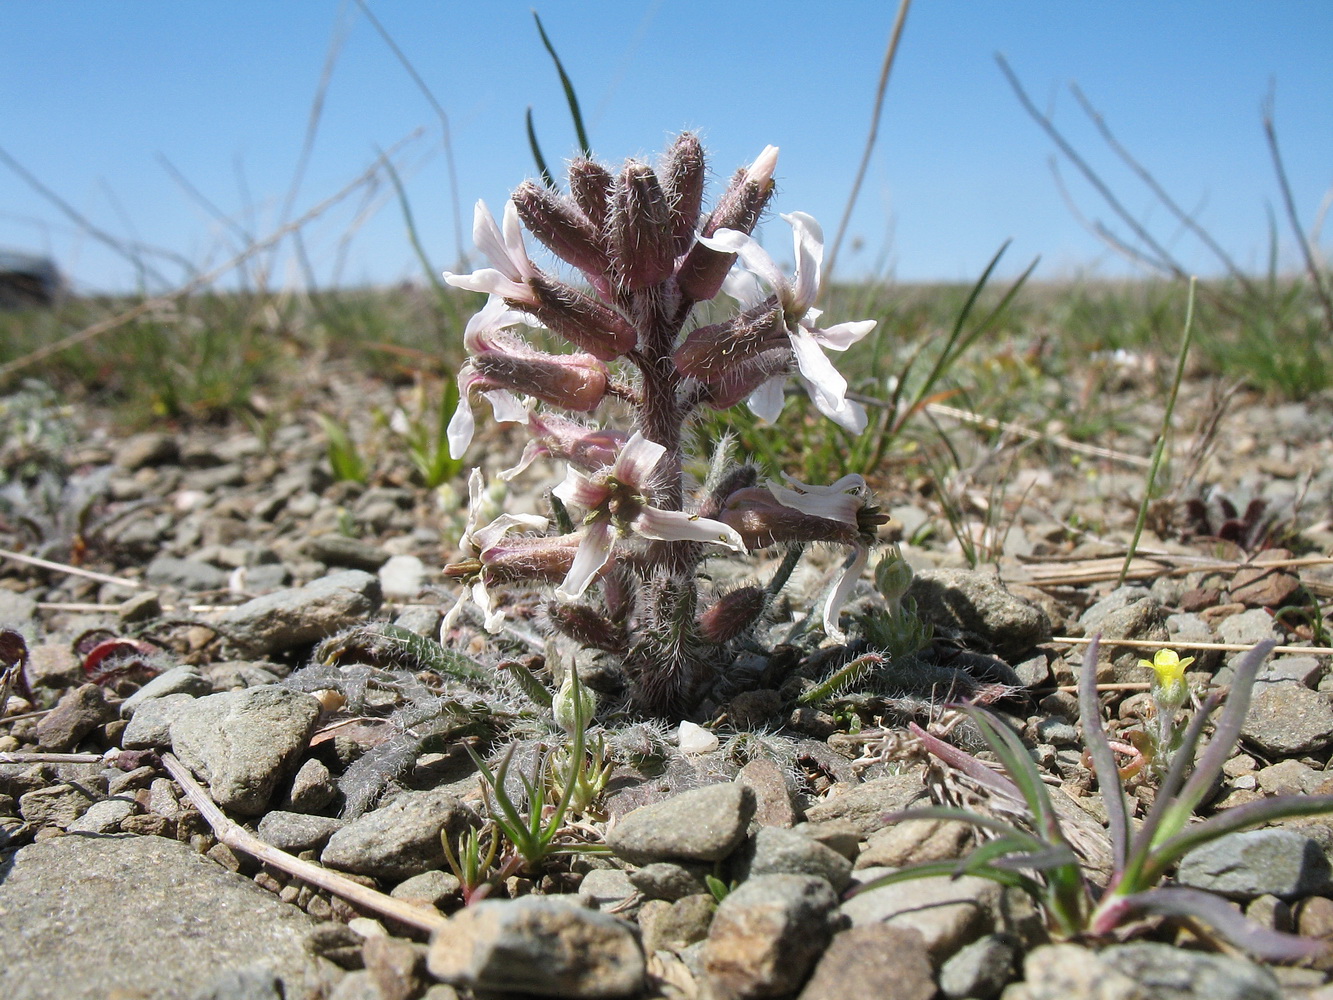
(762,520)
(683,178)
(590,187)
(639,229)
(701,272)
(581,319)
(562,228)
(588,626)
(573,381)
(732,614)
(526,558)
(709,350)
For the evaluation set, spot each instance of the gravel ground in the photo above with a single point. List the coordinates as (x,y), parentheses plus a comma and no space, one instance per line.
(197,571)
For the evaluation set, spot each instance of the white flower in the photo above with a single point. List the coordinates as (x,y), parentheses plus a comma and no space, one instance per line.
(619,502)
(475,541)
(511,267)
(826,386)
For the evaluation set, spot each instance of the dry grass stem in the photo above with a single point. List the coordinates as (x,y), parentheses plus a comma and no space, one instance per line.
(119,581)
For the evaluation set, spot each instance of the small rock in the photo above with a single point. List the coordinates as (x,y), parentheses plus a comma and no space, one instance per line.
(283,620)
(538,946)
(395,966)
(297,832)
(53,665)
(432,888)
(55,805)
(776,851)
(401,577)
(864,805)
(767,935)
(313,787)
(147,449)
(694,740)
(17,611)
(1247,628)
(103,817)
(913,841)
(185,574)
(947,912)
(675,926)
(980,969)
(151,725)
(177,680)
(838,835)
(703,824)
(1299,669)
(243,743)
(143,606)
(342,550)
(975,604)
(1065,971)
(1279,862)
(1162,970)
(605,888)
(669,881)
(399,839)
(76,715)
(1287,719)
(1290,777)
(872,963)
(774,801)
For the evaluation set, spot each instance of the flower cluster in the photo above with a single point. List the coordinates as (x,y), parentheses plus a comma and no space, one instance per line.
(646,253)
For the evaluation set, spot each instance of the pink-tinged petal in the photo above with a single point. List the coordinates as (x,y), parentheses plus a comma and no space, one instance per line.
(508,408)
(840,336)
(513,241)
(841,591)
(486,235)
(578,490)
(489,535)
(761,170)
(530,452)
(677,526)
(834,505)
(594,553)
(451,616)
(766,402)
(849,415)
(462,424)
(809,246)
(744,287)
(753,256)
(492,282)
(818,370)
(637,460)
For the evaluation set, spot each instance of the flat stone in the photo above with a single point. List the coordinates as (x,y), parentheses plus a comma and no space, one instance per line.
(865,805)
(703,824)
(297,832)
(604,888)
(669,881)
(177,680)
(873,963)
(185,574)
(776,851)
(677,925)
(401,577)
(343,550)
(103,817)
(1287,719)
(539,946)
(1247,628)
(947,912)
(1165,971)
(400,838)
(767,935)
(1066,971)
(301,616)
(151,725)
(913,841)
(1278,862)
(980,969)
(243,743)
(76,715)
(55,805)
(774,802)
(431,888)
(975,604)
(87,918)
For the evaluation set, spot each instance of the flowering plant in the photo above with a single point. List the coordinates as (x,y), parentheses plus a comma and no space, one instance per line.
(647,253)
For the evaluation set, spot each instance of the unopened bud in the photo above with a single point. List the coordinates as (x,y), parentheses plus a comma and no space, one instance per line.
(762,520)
(709,350)
(573,709)
(683,177)
(701,272)
(562,227)
(587,626)
(525,558)
(639,229)
(590,187)
(581,319)
(573,381)
(732,614)
(893,577)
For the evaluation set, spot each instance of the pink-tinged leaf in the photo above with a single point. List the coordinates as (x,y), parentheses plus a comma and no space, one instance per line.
(1215,913)
(95,665)
(962,761)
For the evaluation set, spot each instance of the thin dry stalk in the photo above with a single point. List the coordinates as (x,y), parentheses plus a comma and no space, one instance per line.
(119,581)
(1230,647)
(1067,444)
(239,839)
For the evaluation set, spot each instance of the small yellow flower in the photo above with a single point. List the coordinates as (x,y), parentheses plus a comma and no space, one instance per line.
(1169,669)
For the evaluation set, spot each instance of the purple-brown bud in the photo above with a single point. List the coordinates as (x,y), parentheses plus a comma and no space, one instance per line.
(683,177)
(562,227)
(587,626)
(701,272)
(526,558)
(639,229)
(590,187)
(573,381)
(581,319)
(709,350)
(762,521)
(732,614)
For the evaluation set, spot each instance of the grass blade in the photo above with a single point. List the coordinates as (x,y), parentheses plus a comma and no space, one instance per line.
(1103,759)
(584,146)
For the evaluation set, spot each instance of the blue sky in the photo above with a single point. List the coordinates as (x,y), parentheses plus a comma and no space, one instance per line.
(97,92)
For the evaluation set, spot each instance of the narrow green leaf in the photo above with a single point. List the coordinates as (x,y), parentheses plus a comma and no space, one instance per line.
(584,146)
